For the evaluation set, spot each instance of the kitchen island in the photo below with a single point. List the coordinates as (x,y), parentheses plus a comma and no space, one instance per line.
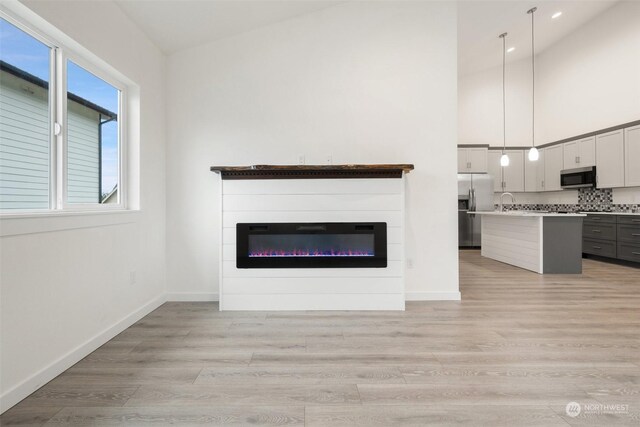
(547,243)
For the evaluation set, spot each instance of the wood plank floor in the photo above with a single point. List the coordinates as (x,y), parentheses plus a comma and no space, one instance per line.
(514,352)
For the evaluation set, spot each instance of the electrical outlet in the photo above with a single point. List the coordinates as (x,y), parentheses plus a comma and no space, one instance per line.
(329,159)
(409,262)
(301,159)
(132,277)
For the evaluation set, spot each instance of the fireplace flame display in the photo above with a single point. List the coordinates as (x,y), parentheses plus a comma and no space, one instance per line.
(308,253)
(311,245)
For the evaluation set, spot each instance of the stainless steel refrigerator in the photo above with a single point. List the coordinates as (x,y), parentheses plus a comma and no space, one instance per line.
(475,194)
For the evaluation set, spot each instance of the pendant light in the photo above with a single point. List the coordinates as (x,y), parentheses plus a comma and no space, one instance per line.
(504,159)
(533,152)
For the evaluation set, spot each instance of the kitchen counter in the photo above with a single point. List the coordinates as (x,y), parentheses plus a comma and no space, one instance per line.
(612,213)
(546,243)
(529,214)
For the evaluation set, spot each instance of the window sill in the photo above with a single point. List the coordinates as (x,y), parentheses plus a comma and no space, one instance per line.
(44,222)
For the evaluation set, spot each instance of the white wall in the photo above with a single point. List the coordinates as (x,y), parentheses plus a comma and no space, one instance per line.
(65,281)
(585,82)
(480,106)
(365,82)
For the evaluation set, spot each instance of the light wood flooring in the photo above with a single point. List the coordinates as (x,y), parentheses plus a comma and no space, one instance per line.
(514,352)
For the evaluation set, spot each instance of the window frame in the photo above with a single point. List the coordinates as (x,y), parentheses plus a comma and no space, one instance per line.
(57,98)
(70,55)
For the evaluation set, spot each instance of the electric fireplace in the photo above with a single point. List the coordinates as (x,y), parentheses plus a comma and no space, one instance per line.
(311,245)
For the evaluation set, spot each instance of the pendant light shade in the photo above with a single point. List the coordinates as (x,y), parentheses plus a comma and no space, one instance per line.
(533,153)
(504,159)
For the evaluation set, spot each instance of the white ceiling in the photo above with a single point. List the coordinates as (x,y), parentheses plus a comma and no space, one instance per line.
(480,23)
(174,25)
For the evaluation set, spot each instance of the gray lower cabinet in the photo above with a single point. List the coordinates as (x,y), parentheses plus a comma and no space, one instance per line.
(599,247)
(629,252)
(600,231)
(612,236)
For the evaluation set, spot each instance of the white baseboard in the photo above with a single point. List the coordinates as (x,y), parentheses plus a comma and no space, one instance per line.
(409,296)
(37,380)
(297,302)
(192,296)
(432,296)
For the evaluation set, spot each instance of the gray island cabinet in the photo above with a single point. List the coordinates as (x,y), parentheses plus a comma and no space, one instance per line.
(546,243)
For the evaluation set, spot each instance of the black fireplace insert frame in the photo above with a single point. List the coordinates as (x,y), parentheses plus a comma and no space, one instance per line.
(377,229)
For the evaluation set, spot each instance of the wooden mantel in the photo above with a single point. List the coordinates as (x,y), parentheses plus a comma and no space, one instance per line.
(312,171)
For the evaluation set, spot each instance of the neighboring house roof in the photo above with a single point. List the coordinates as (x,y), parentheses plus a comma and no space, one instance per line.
(4,66)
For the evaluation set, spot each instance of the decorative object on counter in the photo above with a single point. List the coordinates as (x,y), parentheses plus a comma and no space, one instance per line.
(533,152)
(504,159)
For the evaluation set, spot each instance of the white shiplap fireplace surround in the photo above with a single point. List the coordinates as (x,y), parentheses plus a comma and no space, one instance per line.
(313,194)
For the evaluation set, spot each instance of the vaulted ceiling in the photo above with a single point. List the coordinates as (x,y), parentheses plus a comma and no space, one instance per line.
(480,23)
(174,25)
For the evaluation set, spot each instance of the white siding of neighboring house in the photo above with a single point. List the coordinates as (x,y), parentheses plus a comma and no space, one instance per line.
(24,147)
(24,144)
(83,154)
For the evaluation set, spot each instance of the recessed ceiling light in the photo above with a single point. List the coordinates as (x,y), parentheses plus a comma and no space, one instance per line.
(511,49)
(556,15)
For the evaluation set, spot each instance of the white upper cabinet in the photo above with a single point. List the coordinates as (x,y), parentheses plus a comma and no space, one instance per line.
(553,165)
(508,178)
(472,160)
(495,170)
(632,156)
(579,153)
(531,174)
(477,159)
(462,160)
(540,171)
(587,152)
(610,160)
(570,155)
(513,175)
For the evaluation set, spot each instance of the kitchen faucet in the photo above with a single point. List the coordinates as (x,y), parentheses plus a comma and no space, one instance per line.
(513,200)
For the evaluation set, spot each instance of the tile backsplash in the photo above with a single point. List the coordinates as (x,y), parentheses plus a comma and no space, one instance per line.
(595,196)
(589,200)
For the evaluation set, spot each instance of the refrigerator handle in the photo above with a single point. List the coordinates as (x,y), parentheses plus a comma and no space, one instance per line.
(472,199)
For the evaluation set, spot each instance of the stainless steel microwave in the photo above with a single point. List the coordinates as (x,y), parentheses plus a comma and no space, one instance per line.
(578,178)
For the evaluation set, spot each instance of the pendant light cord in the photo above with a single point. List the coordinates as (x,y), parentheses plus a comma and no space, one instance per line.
(504,102)
(533,84)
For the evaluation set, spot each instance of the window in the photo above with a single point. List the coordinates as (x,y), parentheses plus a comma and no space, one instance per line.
(61,127)
(92,138)
(25,120)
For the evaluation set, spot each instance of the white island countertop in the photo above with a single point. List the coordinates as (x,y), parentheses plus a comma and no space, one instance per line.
(527,214)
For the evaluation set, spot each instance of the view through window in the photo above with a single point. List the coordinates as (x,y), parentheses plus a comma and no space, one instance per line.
(92,138)
(25,155)
(91,129)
